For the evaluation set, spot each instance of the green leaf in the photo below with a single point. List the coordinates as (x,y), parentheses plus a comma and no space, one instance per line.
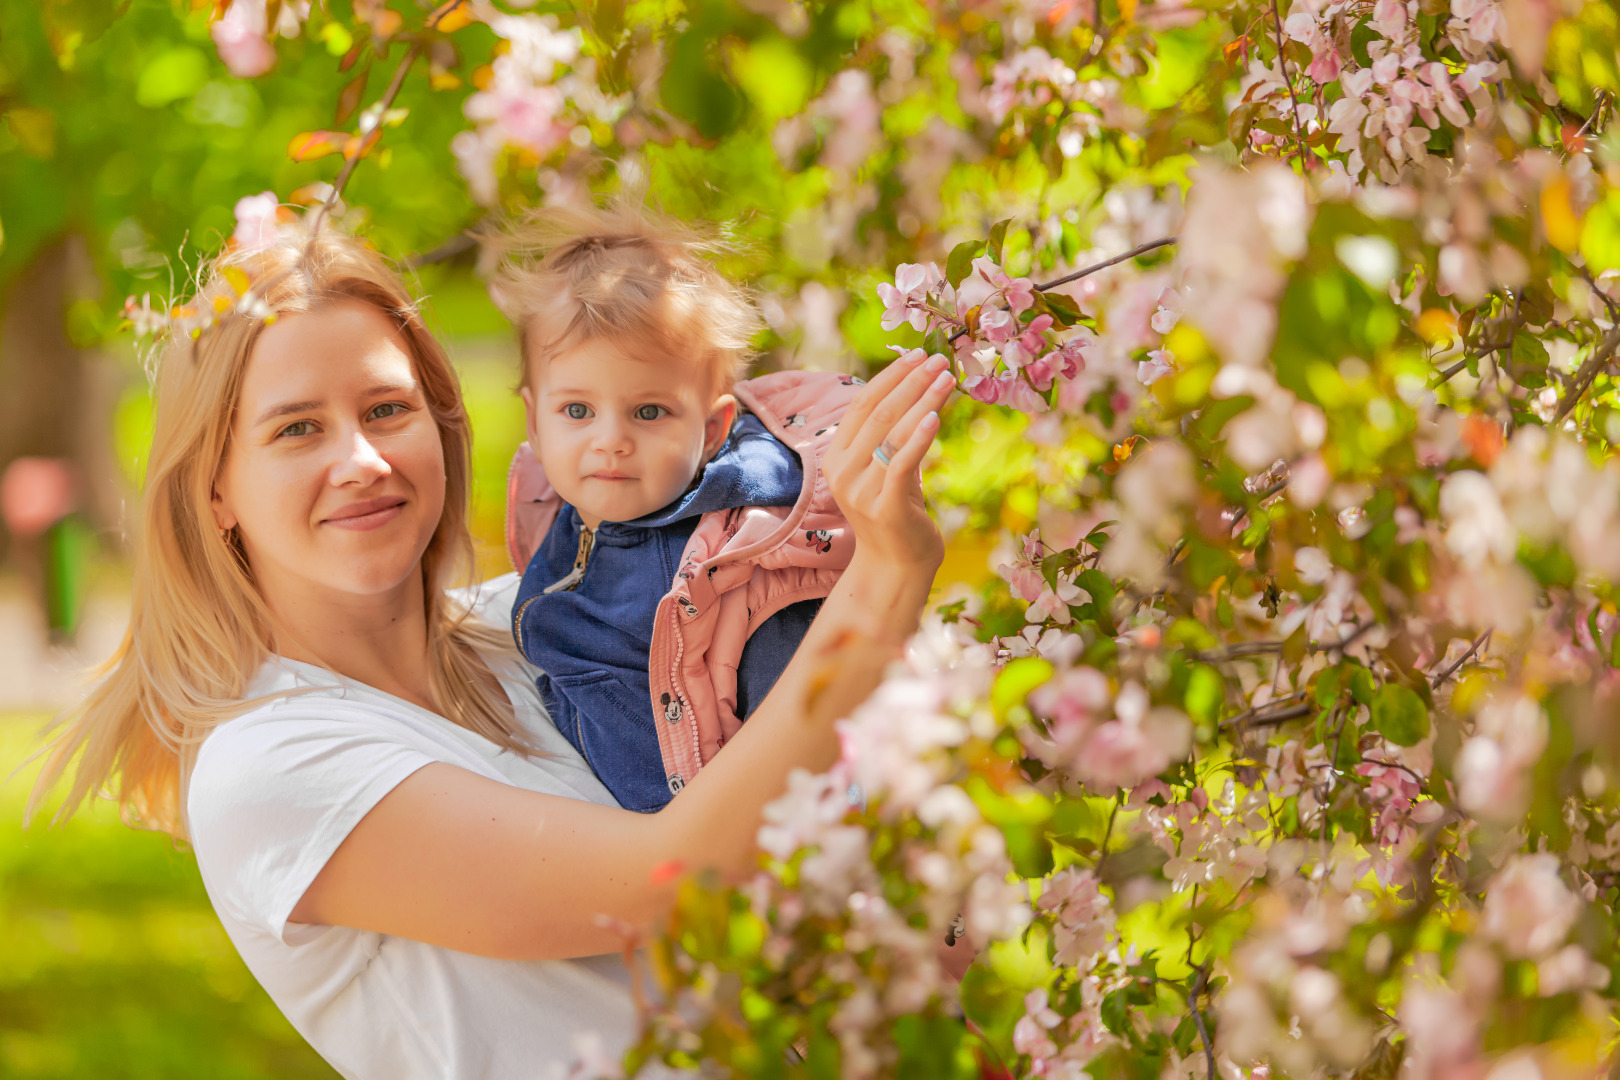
(171,75)
(1600,235)
(1016,680)
(1205,692)
(775,75)
(959,264)
(1327,686)
(1064,311)
(1400,715)
(1529,360)
(998,236)
(1362,686)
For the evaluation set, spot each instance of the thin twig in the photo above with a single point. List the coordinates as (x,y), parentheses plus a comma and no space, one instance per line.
(1108,832)
(1484,351)
(1602,353)
(1238,651)
(1421,780)
(456,245)
(1142,249)
(381,108)
(1198,1018)
(1282,66)
(1599,100)
(1345,642)
(1254,718)
(1608,301)
(1461,660)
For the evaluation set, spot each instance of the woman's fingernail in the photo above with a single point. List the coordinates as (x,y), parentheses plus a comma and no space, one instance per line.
(945,379)
(931,420)
(937,362)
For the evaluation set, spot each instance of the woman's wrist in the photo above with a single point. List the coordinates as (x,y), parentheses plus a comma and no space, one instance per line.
(890,592)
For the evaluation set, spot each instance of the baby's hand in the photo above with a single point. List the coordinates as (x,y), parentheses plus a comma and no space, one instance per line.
(897,411)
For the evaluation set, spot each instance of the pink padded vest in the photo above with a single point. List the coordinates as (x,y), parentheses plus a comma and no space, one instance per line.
(740,567)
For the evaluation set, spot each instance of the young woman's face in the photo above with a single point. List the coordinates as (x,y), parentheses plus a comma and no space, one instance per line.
(334,476)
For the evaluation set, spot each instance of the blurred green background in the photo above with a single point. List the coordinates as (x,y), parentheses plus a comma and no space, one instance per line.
(113,963)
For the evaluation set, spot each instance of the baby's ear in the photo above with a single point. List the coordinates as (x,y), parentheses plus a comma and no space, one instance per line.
(722,414)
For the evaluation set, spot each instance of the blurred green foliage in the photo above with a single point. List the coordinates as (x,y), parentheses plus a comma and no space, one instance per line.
(113,962)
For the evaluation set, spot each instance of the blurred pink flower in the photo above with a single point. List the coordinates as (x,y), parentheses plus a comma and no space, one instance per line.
(256,220)
(241,38)
(1528,909)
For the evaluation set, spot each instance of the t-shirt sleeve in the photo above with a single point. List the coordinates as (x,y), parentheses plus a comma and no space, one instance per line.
(273,793)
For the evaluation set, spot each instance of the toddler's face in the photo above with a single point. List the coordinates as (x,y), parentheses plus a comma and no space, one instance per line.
(621,435)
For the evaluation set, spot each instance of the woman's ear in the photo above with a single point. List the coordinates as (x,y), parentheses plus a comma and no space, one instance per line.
(722,414)
(224,520)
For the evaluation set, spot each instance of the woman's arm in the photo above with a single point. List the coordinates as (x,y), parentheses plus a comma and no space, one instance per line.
(454,859)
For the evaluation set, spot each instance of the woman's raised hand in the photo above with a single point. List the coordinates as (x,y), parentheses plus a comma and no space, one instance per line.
(897,411)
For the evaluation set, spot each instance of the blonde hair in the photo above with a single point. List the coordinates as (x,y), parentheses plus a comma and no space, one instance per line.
(199,629)
(569,275)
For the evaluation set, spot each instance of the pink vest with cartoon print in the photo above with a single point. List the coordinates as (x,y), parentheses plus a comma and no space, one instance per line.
(740,567)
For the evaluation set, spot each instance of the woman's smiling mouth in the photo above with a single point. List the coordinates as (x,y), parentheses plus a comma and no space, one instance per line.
(367,515)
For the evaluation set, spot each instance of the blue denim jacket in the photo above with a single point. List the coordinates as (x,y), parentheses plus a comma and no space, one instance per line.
(592,642)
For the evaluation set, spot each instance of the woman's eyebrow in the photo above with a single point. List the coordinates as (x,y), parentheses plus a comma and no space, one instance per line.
(287,409)
(290,407)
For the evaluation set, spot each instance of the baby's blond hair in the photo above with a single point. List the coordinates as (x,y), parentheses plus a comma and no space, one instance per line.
(623,274)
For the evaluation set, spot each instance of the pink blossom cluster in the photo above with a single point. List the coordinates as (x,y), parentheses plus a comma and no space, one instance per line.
(529,103)
(1104,739)
(1029,79)
(1006,360)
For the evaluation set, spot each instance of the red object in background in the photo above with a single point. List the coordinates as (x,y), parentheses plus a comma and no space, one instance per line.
(36,493)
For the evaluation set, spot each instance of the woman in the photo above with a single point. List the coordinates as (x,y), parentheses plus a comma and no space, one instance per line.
(419,869)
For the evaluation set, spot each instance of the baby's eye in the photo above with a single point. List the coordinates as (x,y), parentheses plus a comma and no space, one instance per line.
(650,412)
(575,411)
(302,427)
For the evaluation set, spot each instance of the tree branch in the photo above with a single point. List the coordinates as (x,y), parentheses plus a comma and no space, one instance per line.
(456,245)
(1461,660)
(1282,66)
(1257,718)
(1141,249)
(1199,984)
(1602,353)
(1608,301)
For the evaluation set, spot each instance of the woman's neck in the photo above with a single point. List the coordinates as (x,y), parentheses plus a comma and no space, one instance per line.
(380,640)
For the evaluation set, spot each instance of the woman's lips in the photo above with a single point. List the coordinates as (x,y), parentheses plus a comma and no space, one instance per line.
(365,516)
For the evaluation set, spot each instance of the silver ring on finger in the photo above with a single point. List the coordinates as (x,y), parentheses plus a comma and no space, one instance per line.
(884,453)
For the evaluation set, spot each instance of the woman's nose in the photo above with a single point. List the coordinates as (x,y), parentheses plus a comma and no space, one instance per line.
(359,462)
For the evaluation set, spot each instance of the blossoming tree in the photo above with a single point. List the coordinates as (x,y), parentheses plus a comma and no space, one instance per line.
(1284,743)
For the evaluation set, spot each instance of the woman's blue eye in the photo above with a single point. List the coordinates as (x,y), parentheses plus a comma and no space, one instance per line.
(650,412)
(576,411)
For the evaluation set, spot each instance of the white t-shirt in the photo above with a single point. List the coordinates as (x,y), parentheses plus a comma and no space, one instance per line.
(274,792)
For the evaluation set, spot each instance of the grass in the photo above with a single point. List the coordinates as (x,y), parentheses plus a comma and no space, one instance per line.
(112,963)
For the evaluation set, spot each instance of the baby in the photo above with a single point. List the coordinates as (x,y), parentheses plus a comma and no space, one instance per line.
(675,537)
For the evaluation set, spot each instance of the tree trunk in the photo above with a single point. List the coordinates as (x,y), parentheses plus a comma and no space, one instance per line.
(56,399)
